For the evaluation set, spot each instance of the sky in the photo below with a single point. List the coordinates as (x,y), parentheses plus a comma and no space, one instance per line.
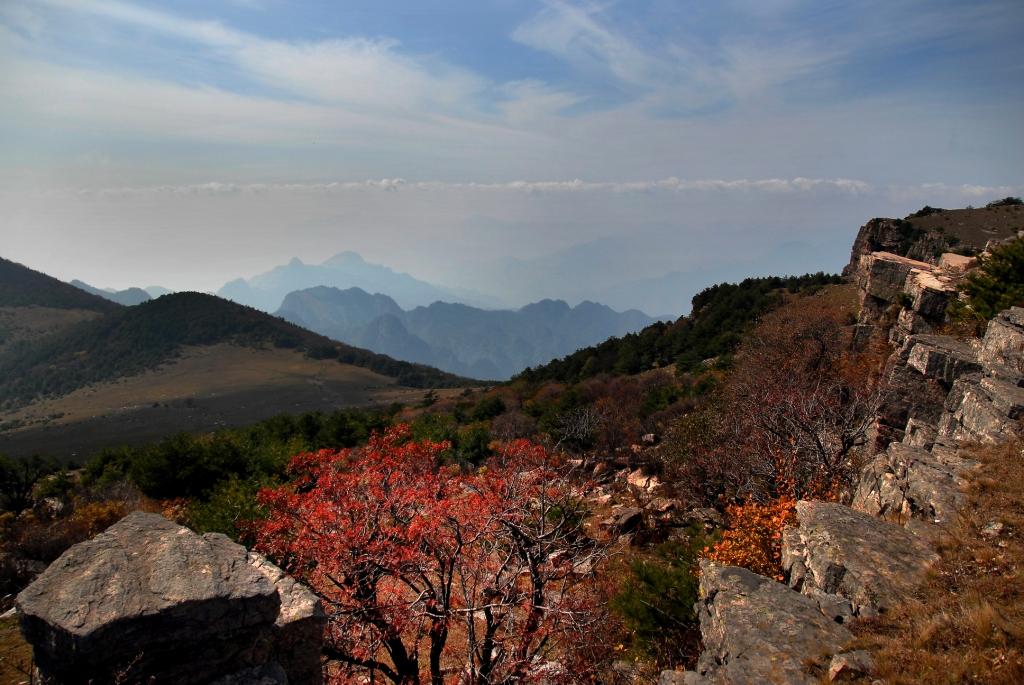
(510,146)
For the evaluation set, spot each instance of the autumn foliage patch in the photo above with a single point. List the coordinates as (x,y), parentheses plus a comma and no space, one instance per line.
(430,572)
(754,537)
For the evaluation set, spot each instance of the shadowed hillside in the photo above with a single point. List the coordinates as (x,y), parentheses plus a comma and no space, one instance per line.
(21,286)
(132,340)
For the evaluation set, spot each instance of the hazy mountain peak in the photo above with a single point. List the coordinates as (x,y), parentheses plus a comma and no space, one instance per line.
(548,306)
(344,259)
(128,296)
(267,290)
(476,342)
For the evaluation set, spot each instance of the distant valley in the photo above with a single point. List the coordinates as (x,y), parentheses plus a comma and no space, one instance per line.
(464,340)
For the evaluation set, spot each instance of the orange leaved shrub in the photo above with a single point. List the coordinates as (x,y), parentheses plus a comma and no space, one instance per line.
(753,539)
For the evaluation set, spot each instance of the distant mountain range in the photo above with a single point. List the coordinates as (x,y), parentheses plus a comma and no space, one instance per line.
(267,291)
(464,340)
(128,297)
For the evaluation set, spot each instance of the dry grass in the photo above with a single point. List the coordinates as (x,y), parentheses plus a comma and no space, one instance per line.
(15,654)
(967,624)
(975,226)
(207,388)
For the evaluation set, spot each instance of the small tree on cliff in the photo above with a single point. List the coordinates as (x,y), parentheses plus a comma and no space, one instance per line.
(996,285)
(475,574)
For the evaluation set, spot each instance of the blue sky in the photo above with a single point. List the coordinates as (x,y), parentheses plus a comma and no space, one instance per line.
(690,103)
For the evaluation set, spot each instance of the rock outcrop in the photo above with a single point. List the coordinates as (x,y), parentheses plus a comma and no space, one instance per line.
(918,292)
(757,630)
(837,550)
(930,234)
(907,482)
(151,599)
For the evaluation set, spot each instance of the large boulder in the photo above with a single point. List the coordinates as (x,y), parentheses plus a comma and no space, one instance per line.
(625,520)
(759,631)
(149,599)
(299,627)
(870,562)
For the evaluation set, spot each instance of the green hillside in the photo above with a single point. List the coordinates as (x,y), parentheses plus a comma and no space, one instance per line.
(719,317)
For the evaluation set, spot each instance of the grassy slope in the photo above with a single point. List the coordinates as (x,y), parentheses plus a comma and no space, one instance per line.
(205,389)
(973,226)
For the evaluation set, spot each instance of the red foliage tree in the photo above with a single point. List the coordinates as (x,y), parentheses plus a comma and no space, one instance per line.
(428,572)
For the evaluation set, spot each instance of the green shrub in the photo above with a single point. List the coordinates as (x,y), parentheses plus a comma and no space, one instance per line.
(656,602)
(230,506)
(997,284)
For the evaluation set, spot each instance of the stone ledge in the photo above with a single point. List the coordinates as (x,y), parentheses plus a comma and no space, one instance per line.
(844,552)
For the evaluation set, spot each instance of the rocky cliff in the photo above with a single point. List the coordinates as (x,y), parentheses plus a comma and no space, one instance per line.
(930,232)
(847,561)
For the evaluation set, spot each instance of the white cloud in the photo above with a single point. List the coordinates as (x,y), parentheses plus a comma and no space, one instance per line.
(358,71)
(669,185)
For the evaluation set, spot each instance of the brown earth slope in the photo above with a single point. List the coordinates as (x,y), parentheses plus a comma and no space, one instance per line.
(206,388)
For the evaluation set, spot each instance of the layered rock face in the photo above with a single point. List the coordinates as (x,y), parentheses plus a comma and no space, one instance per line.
(836,550)
(151,601)
(920,291)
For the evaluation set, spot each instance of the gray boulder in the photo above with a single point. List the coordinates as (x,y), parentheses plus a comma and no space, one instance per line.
(149,599)
(299,627)
(759,631)
(626,520)
(840,551)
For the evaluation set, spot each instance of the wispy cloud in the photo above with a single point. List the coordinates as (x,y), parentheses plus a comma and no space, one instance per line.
(955,192)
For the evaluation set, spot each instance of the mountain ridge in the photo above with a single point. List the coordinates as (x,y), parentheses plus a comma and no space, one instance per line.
(267,290)
(131,340)
(455,336)
(128,297)
(22,286)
